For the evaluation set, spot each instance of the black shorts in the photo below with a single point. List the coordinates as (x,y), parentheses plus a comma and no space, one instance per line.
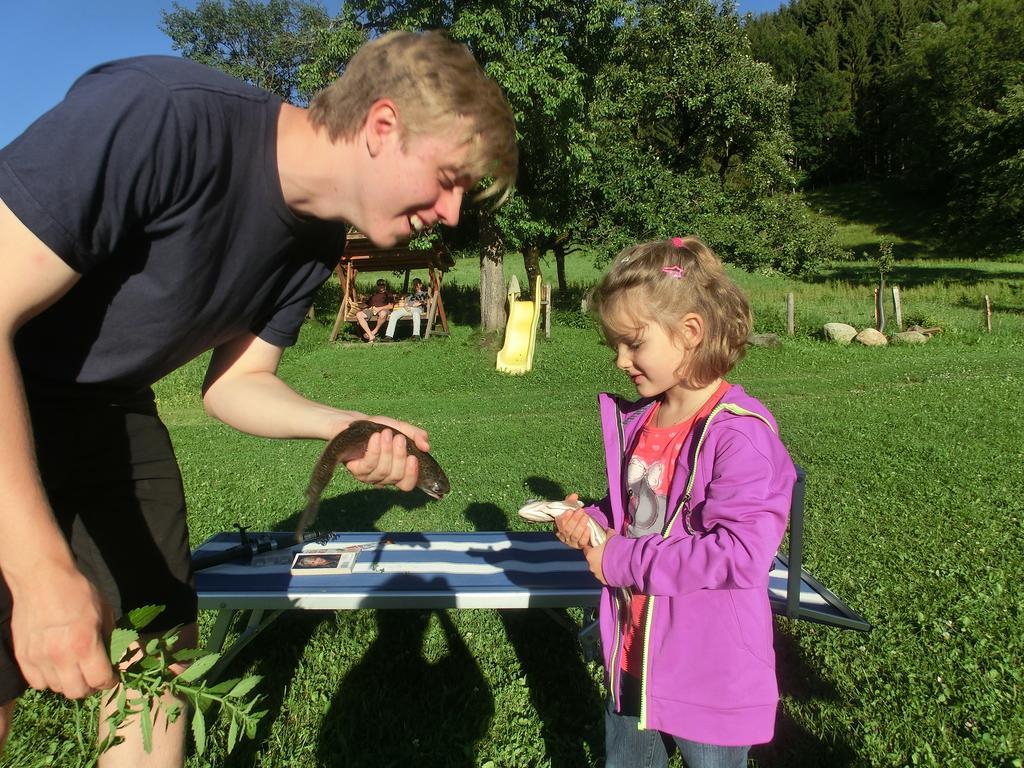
(113,482)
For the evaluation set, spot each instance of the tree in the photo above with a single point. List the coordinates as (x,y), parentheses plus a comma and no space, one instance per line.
(290,47)
(842,113)
(681,82)
(959,126)
(544,54)
(885,262)
(692,137)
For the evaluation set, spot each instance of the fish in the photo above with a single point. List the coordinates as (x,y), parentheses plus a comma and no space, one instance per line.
(351,444)
(544,511)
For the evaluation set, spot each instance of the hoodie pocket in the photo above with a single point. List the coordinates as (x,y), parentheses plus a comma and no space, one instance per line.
(753,618)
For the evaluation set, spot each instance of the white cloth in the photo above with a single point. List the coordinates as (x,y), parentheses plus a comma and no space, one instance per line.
(397,314)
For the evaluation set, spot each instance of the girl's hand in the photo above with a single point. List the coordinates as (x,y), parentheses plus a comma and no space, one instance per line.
(572,527)
(595,557)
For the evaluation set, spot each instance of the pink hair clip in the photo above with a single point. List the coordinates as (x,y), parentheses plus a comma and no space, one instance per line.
(677,242)
(676,272)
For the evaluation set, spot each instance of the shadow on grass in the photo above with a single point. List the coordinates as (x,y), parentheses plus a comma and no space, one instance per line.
(1000,307)
(397,708)
(888,207)
(793,744)
(914,275)
(543,488)
(918,217)
(276,653)
(561,690)
(358,510)
(461,305)
(462,302)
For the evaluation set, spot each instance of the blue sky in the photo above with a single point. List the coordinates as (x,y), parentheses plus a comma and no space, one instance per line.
(46,44)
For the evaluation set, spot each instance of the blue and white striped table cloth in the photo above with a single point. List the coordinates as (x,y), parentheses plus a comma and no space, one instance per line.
(431,570)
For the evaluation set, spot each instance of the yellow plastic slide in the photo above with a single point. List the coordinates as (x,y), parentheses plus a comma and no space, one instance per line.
(516,356)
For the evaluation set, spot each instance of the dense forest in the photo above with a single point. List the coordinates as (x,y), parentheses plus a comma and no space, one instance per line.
(926,92)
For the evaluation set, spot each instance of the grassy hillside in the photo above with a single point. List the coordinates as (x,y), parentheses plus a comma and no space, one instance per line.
(865,212)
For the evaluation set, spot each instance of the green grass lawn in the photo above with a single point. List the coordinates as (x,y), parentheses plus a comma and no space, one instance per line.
(914,516)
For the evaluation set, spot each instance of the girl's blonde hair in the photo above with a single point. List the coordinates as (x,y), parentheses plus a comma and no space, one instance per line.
(433,82)
(662,282)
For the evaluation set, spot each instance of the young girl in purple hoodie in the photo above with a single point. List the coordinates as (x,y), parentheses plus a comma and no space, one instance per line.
(699,492)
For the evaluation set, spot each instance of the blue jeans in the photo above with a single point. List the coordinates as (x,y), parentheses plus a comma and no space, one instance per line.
(628,747)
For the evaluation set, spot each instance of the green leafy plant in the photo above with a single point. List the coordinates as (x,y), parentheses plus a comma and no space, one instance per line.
(148,678)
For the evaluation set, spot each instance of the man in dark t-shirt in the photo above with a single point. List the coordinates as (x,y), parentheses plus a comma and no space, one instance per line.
(161,210)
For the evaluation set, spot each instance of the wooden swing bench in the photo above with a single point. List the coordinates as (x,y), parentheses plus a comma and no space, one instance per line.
(361,255)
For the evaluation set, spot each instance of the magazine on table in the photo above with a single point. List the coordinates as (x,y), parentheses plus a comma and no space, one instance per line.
(315,559)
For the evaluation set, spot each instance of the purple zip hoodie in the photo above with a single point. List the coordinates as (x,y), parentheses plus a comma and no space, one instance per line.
(709,663)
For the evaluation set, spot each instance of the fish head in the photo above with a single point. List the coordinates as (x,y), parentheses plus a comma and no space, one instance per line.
(434,482)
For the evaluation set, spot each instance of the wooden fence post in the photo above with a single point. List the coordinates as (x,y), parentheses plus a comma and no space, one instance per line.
(988,314)
(897,306)
(790,314)
(547,310)
(874,300)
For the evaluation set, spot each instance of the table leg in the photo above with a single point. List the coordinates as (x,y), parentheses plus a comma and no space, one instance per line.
(258,621)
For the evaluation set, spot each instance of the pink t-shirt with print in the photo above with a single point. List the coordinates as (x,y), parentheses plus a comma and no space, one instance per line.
(648,476)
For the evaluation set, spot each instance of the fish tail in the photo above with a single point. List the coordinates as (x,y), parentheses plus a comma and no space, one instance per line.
(308,516)
(322,474)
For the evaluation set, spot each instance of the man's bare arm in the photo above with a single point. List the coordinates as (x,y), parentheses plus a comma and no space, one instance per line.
(242,389)
(58,620)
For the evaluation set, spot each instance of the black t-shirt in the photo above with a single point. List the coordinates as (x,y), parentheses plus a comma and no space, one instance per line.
(156,179)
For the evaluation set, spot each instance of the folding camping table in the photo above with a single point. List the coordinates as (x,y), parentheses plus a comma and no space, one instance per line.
(488,569)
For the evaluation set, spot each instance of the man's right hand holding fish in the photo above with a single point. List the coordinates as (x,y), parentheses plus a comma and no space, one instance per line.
(387,460)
